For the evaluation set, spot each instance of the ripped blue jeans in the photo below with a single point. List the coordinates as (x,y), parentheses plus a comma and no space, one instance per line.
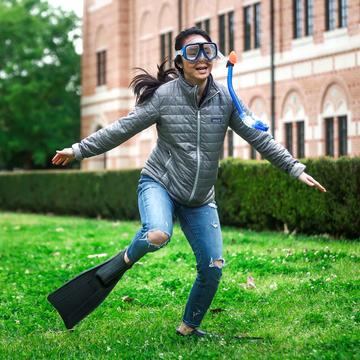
(201,227)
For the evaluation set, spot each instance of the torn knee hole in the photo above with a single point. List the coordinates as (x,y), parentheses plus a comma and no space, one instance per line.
(157,237)
(217,263)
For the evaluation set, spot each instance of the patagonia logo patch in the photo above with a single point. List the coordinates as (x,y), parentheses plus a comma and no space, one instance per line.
(216,120)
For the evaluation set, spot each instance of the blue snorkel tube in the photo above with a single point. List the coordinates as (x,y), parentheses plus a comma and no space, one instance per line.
(246,116)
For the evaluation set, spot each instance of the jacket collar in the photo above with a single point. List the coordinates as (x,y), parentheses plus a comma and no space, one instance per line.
(190,91)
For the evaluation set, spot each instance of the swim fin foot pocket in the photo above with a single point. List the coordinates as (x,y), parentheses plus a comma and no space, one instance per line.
(80,296)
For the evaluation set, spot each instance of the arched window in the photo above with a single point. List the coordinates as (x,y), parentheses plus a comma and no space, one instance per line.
(335,121)
(294,120)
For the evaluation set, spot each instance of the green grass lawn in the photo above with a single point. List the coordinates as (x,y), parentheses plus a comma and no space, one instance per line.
(304,303)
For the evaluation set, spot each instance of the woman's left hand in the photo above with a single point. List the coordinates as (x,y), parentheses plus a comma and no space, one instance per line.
(310,181)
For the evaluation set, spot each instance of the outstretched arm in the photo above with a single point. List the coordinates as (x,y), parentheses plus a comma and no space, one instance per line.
(273,151)
(116,133)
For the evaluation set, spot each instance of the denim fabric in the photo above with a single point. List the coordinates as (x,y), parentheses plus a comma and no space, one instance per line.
(201,227)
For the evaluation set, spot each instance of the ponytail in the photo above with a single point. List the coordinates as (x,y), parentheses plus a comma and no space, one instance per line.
(144,85)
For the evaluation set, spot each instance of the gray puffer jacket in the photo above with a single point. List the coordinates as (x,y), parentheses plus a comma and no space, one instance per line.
(190,138)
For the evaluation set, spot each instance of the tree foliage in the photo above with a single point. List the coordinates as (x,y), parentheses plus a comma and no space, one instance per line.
(39,82)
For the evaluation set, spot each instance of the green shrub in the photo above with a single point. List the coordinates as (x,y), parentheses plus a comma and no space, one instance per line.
(250,194)
(258,196)
(109,194)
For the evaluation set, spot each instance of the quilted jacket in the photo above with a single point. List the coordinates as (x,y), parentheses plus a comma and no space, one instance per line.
(190,139)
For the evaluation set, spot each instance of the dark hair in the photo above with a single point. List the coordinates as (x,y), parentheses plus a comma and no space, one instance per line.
(144,85)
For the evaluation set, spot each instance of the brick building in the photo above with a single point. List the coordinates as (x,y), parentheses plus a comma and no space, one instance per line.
(307,85)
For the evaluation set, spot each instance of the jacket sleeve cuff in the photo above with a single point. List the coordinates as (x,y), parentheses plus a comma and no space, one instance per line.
(297,170)
(77,152)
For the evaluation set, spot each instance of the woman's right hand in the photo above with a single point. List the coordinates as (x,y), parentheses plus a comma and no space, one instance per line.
(63,157)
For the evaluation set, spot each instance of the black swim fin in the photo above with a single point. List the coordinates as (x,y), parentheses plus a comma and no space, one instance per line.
(80,296)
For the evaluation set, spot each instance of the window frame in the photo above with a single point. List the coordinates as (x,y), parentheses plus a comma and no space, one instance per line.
(343,13)
(343,135)
(300,139)
(289,138)
(204,25)
(297,19)
(330,15)
(329,136)
(166,48)
(309,17)
(221,33)
(257,25)
(101,67)
(226,32)
(247,27)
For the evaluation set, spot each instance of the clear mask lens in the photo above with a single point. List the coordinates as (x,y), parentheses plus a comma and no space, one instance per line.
(210,50)
(194,51)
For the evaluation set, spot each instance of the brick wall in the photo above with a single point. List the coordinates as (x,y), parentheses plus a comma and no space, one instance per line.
(308,69)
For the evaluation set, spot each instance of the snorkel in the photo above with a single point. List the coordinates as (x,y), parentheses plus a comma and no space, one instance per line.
(247,118)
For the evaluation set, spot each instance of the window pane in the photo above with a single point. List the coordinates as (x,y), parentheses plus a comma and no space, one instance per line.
(300,131)
(247,28)
(257,25)
(343,13)
(231,31)
(289,137)
(166,47)
(162,47)
(101,68)
(98,82)
(297,10)
(222,33)
(330,14)
(309,17)
(204,25)
(207,26)
(342,135)
(329,136)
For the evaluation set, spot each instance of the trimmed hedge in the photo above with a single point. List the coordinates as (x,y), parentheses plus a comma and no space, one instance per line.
(250,194)
(108,194)
(258,196)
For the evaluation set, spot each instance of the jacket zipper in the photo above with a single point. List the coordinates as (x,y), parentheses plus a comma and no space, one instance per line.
(166,165)
(197,156)
(198,149)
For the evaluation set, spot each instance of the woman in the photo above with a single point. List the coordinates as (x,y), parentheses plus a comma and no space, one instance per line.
(192,113)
